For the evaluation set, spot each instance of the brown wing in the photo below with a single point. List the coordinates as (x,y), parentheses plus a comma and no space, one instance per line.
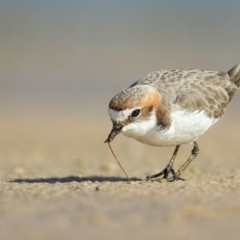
(193,89)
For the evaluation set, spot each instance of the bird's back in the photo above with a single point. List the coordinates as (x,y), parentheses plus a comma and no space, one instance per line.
(195,90)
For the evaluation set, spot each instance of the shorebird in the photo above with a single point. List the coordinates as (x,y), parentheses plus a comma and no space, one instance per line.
(171,108)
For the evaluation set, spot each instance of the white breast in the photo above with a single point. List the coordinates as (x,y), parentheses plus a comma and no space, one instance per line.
(186,127)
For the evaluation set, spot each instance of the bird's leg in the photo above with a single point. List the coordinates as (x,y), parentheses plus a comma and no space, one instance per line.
(169,168)
(193,155)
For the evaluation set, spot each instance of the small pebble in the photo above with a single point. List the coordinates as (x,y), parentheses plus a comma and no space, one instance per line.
(162,180)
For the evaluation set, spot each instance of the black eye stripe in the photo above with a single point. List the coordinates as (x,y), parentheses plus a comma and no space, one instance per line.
(135,113)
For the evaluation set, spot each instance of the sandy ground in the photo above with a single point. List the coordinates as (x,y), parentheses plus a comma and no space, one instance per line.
(59,181)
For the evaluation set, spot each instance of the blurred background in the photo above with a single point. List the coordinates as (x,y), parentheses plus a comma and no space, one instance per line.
(60,64)
(62,61)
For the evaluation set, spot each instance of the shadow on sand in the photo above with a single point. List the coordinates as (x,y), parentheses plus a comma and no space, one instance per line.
(53,180)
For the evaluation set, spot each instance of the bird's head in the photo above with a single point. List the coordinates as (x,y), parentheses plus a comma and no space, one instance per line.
(135,111)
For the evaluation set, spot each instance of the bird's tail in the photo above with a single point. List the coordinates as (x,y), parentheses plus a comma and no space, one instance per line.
(234,75)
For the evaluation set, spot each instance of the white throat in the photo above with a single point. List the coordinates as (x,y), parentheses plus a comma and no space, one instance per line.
(141,127)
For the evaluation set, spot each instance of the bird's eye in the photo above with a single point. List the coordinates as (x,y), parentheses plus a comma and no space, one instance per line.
(135,113)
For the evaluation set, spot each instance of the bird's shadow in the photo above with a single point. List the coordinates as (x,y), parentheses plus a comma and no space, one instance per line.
(69,179)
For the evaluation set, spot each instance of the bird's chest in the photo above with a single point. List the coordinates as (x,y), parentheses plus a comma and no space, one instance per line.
(185,128)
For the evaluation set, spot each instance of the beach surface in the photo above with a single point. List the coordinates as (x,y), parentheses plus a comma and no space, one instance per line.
(58,180)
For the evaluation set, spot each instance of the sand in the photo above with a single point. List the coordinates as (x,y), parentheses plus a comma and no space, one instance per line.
(60,181)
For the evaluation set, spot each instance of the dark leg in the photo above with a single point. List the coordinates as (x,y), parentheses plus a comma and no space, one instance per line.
(193,155)
(169,169)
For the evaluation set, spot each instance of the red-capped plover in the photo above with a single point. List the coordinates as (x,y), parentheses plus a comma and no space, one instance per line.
(171,108)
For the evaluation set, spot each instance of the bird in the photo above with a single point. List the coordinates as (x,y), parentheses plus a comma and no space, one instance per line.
(172,107)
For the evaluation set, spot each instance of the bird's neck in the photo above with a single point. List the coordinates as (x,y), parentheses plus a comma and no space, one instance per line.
(164,119)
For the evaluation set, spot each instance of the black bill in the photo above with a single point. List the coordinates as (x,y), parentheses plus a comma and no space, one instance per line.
(115,131)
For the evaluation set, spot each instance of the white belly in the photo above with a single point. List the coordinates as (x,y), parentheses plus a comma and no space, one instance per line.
(186,127)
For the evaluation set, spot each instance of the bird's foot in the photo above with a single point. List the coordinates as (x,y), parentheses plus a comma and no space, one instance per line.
(175,177)
(165,173)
